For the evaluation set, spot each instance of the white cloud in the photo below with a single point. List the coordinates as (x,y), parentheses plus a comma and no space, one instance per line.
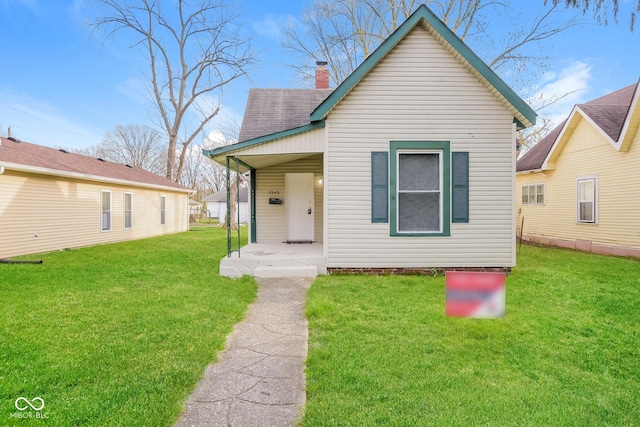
(567,87)
(272,25)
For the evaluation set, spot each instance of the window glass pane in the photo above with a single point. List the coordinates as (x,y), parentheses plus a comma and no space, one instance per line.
(525,194)
(418,172)
(163,217)
(585,190)
(418,212)
(128,217)
(540,194)
(532,194)
(106,201)
(106,210)
(586,211)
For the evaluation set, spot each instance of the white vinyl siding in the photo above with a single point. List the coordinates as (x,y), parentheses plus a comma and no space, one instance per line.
(271,219)
(307,142)
(128,211)
(105,202)
(73,214)
(533,194)
(586,208)
(420,92)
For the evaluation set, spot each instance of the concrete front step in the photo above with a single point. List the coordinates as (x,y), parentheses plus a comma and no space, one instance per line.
(285,271)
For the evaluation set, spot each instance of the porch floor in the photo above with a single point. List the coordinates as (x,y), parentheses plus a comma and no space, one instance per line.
(275,260)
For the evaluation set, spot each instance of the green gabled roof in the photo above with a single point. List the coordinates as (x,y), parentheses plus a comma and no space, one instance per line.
(423,13)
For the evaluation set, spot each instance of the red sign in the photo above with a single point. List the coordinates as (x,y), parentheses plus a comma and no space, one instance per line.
(475,294)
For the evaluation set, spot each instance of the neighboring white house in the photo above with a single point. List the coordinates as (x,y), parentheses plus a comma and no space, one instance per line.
(408,165)
(216,204)
(51,199)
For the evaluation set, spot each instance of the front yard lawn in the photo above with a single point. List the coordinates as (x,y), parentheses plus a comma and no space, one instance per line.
(381,351)
(117,334)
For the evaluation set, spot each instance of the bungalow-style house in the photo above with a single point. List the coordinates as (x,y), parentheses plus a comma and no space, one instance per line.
(51,199)
(216,204)
(408,165)
(578,186)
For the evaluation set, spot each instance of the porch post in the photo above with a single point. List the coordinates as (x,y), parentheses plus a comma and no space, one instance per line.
(228,217)
(238,203)
(253,205)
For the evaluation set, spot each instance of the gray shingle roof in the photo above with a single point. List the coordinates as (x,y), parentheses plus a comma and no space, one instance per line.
(269,111)
(24,153)
(221,196)
(609,112)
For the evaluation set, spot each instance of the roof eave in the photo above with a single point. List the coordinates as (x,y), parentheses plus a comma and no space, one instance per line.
(88,177)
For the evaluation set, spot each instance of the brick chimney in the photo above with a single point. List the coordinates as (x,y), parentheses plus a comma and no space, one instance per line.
(322,75)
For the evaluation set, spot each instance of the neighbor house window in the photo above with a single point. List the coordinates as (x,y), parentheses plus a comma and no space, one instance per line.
(163,210)
(106,210)
(128,210)
(587,189)
(420,188)
(533,194)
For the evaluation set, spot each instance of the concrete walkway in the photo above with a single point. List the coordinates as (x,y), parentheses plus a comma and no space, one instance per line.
(259,378)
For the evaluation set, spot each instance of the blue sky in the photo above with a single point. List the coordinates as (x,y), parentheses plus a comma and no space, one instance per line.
(62,88)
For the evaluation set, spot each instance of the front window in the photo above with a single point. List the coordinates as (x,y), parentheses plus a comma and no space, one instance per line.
(128,210)
(586,199)
(533,194)
(163,210)
(420,182)
(106,210)
(419,192)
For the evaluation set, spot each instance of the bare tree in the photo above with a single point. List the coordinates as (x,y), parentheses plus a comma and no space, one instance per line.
(137,145)
(345,32)
(601,9)
(194,49)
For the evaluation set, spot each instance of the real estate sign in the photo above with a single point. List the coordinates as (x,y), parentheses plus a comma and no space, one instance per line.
(475,294)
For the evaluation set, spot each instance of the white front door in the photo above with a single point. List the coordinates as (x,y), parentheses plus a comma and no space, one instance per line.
(299,206)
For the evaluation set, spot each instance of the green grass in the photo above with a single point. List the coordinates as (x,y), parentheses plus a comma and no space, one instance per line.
(115,334)
(567,353)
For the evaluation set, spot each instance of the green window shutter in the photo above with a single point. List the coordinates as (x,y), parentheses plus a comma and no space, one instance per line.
(460,187)
(379,186)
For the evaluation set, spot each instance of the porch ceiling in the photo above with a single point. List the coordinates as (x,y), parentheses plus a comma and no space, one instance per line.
(259,161)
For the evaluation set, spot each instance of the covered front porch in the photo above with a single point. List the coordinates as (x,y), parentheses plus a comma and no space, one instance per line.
(276,260)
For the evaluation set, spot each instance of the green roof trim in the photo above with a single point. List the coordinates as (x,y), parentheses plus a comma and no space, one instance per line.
(262,139)
(423,13)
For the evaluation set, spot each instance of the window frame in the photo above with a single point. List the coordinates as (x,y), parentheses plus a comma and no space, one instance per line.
(109,211)
(163,210)
(443,148)
(130,211)
(594,201)
(535,185)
